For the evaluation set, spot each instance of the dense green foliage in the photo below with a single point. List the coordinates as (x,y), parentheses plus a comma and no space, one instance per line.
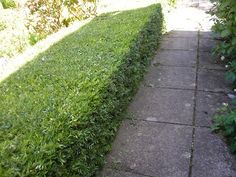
(59,113)
(224,13)
(8,4)
(226,124)
(231,74)
(48,16)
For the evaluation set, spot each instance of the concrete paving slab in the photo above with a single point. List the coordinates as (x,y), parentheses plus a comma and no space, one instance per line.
(116,173)
(210,35)
(175,58)
(179,43)
(189,25)
(193,3)
(174,77)
(208,61)
(211,156)
(206,34)
(207,45)
(182,34)
(207,106)
(165,105)
(152,149)
(212,80)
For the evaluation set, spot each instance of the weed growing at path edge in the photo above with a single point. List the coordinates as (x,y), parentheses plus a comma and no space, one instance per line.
(224,16)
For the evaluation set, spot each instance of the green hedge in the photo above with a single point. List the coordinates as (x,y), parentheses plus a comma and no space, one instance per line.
(60,112)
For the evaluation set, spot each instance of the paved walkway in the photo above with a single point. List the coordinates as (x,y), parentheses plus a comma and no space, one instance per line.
(168,131)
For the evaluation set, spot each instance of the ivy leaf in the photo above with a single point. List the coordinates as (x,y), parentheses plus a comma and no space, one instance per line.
(225,33)
(231,76)
(234,39)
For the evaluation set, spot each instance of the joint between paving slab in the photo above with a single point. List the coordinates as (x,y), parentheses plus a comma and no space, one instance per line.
(211,91)
(177,49)
(187,89)
(175,123)
(169,37)
(177,66)
(130,171)
(213,69)
(205,37)
(189,66)
(194,108)
(205,51)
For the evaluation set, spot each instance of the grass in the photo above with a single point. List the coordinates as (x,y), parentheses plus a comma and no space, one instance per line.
(60,112)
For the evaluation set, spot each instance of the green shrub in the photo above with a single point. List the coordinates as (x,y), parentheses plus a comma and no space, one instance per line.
(59,113)
(48,16)
(231,73)
(226,124)
(224,13)
(8,4)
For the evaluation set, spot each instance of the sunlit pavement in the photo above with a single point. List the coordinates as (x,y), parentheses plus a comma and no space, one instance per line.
(190,16)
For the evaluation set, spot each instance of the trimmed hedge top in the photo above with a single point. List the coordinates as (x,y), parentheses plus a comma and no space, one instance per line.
(59,113)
